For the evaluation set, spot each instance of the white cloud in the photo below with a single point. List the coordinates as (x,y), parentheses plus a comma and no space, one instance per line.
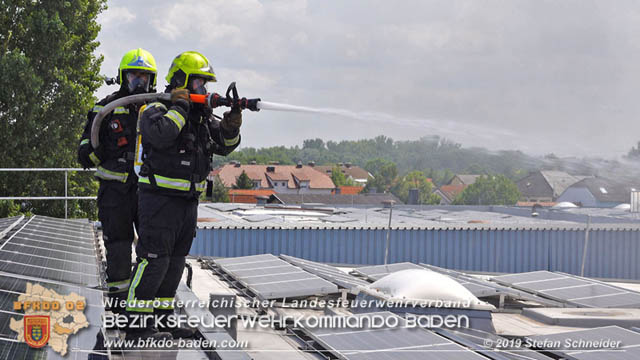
(114,16)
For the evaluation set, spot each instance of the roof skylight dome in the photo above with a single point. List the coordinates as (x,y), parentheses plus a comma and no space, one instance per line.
(417,284)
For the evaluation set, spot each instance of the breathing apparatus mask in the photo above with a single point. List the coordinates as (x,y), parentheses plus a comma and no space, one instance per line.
(197,85)
(138,82)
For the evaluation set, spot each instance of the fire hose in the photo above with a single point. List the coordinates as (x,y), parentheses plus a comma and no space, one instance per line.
(212,100)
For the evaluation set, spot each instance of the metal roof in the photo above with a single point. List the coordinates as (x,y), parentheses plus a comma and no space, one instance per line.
(215,215)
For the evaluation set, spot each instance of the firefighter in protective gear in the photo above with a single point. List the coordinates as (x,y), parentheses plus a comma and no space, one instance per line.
(113,160)
(178,139)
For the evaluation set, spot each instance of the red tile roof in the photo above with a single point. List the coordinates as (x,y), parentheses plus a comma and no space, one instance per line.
(248,196)
(350,190)
(229,173)
(452,191)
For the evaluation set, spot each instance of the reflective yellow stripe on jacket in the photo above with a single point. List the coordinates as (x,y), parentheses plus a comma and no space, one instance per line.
(174,183)
(105,174)
(233,141)
(120,110)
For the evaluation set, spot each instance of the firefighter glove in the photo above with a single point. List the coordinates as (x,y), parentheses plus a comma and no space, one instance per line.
(231,121)
(180,97)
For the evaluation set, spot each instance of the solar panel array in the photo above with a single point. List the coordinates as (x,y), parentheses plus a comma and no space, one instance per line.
(593,346)
(6,224)
(484,288)
(327,272)
(377,272)
(54,249)
(383,343)
(487,344)
(575,290)
(272,278)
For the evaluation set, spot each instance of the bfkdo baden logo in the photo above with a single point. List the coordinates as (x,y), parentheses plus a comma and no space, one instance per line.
(36,330)
(49,317)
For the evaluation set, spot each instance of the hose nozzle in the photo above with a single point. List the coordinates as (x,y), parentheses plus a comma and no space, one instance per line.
(231,100)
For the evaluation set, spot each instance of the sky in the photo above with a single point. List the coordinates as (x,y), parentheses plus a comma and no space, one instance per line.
(539,76)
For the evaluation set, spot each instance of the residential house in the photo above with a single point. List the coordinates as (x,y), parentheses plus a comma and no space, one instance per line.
(356,173)
(248,196)
(545,185)
(599,192)
(448,193)
(284,179)
(462,179)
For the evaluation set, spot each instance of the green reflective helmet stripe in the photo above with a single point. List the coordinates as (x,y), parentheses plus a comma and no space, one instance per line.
(138,59)
(191,63)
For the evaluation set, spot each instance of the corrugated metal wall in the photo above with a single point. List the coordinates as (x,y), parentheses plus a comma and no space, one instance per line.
(613,254)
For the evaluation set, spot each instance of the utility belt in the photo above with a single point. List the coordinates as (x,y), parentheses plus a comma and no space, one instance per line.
(111,175)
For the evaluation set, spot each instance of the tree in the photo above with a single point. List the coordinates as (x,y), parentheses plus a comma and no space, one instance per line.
(219,192)
(383,178)
(634,153)
(416,180)
(313,144)
(337,176)
(243,181)
(49,73)
(489,190)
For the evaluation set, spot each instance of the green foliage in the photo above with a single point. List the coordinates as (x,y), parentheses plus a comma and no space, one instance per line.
(384,175)
(489,190)
(317,144)
(219,192)
(338,177)
(9,208)
(243,181)
(49,74)
(416,180)
(438,158)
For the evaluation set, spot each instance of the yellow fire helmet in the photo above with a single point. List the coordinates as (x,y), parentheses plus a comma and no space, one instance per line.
(139,60)
(187,64)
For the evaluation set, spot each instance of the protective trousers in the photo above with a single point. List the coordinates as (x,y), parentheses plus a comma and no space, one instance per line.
(167,229)
(117,211)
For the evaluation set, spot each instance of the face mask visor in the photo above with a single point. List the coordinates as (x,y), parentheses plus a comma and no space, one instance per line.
(138,82)
(198,85)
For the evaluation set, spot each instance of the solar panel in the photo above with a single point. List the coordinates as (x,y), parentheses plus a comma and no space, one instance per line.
(12,287)
(485,343)
(327,272)
(48,248)
(589,344)
(575,290)
(272,278)
(484,288)
(378,343)
(6,224)
(377,272)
